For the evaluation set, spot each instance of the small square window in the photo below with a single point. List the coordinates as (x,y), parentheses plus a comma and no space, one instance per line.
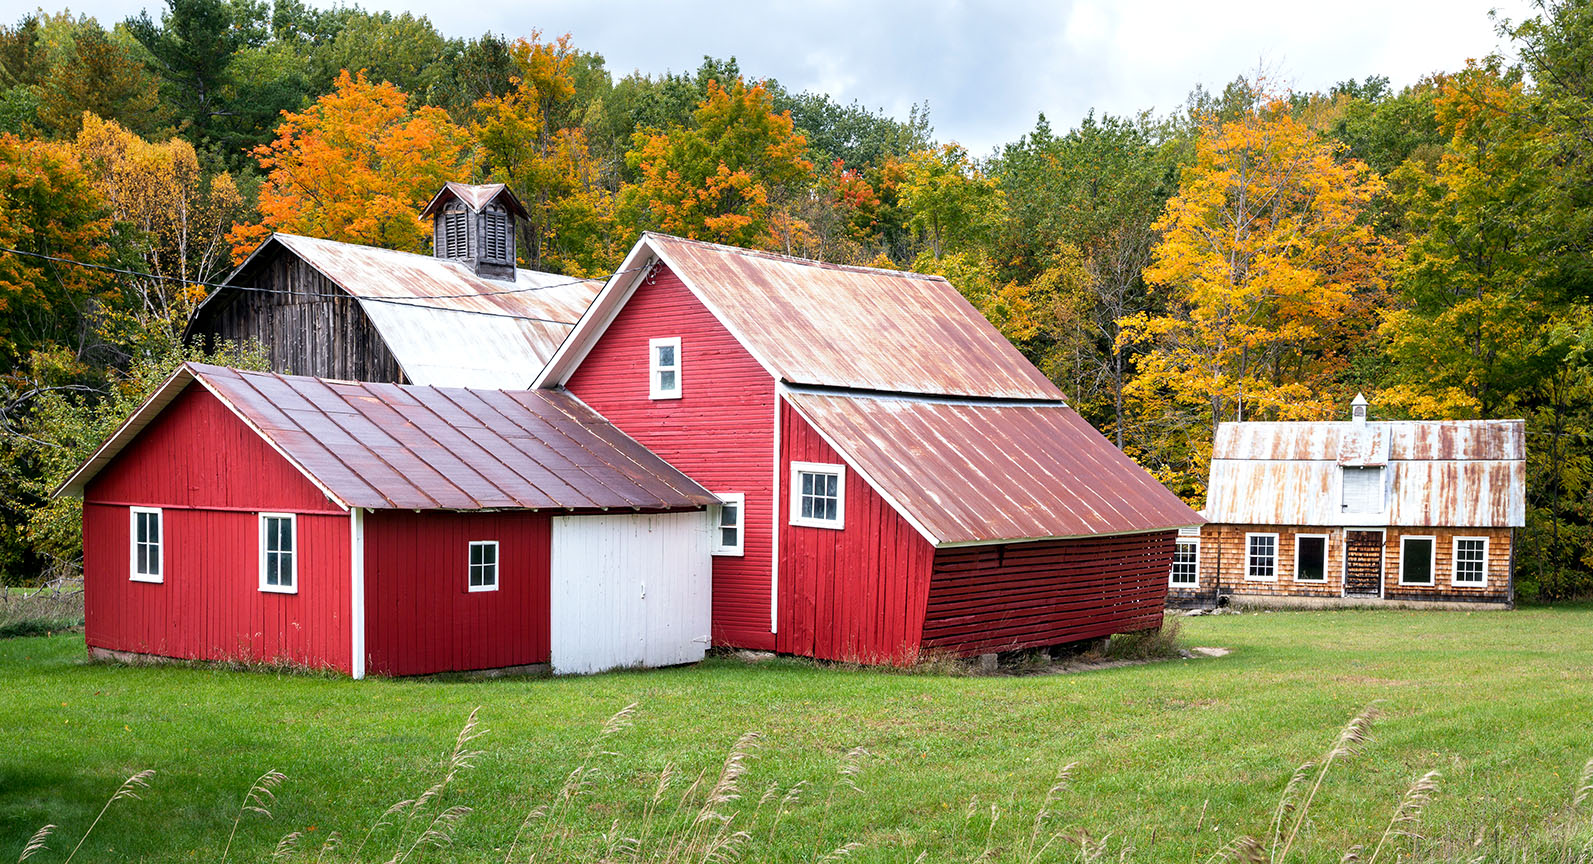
(818,495)
(1262,558)
(279,554)
(664,368)
(1310,557)
(1186,563)
(1416,560)
(484,565)
(731,514)
(1471,561)
(146,550)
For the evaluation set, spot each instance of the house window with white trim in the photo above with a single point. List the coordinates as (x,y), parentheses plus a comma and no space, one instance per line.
(663,368)
(1186,563)
(818,495)
(1261,557)
(483,565)
(728,539)
(146,552)
(1471,561)
(1416,560)
(1310,557)
(279,553)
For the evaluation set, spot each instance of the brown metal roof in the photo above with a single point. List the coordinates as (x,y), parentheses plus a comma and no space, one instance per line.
(1450,473)
(830,325)
(475,197)
(981,472)
(390,446)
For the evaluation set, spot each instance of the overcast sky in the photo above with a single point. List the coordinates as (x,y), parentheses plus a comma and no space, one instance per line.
(988,69)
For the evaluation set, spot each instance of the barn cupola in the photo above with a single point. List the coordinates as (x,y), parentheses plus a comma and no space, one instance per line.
(1358,409)
(475,225)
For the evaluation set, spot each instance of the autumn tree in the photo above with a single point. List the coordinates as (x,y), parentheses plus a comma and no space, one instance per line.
(357,166)
(728,176)
(951,203)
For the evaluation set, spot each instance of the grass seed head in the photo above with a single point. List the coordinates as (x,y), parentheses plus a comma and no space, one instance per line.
(35,843)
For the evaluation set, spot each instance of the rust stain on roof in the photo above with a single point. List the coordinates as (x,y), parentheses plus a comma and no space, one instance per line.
(984,472)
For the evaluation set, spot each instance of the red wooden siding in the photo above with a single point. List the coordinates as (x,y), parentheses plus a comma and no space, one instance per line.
(1048,592)
(852,594)
(720,433)
(211,475)
(421,617)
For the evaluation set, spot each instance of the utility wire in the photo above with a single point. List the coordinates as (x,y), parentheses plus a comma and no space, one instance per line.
(400,301)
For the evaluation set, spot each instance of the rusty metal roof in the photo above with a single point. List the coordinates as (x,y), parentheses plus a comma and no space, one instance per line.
(968,472)
(1450,473)
(475,197)
(390,446)
(445,325)
(828,325)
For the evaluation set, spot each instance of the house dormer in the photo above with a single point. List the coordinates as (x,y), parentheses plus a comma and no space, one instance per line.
(475,225)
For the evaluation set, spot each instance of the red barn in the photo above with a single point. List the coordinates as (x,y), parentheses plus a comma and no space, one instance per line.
(392,529)
(898,477)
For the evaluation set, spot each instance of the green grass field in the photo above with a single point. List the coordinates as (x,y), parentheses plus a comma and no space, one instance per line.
(1173,759)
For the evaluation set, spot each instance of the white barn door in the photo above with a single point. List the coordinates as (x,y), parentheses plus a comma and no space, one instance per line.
(629,590)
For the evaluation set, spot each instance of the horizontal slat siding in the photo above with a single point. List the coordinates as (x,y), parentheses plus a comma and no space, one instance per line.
(211,476)
(421,617)
(1030,595)
(855,594)
(720,432)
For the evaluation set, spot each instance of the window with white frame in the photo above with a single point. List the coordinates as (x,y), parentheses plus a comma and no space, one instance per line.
(483,565)
(818,495)
(664,368)
(1261,557)
(1186,563)
(1310,557)
(1471,561)
(1362,490)
(728,539)
(1416,560)
(279,553)
(147,560)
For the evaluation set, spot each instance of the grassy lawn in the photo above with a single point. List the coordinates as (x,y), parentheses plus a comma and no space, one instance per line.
(1173,759)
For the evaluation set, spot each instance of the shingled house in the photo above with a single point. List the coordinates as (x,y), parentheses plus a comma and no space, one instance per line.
(464,316)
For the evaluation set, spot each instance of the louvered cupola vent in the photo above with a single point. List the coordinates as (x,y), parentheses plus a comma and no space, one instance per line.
(475,225)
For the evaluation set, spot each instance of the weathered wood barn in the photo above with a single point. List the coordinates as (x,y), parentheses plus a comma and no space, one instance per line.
(464,316)
(1358,511)
(398,530)
(898,478)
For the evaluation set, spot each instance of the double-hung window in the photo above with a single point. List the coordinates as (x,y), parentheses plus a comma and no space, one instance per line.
(484,565)
(279,553)
(1261,558)
(1471,562)
(1310,557)
(728,536)
(147,559)
(663,368)
(1416,560)
(1186,563)
(818,495)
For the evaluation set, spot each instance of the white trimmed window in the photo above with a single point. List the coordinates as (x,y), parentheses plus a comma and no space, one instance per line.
(1310,557)
(1471,561)
(1261,557)
(483,565)
(1416,558)
(732,513)
(279,553)
(146,556)
(1186,563)
(1362,490)
(818,495)
(663,368)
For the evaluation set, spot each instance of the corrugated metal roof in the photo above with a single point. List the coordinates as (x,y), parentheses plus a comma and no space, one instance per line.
(1450,473)
(390,446)
(445,325)
(475,197)
(982,472)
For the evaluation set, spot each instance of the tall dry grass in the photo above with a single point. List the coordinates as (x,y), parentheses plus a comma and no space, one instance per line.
(51,608)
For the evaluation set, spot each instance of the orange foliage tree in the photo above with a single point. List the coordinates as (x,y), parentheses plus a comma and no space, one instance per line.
(357,166)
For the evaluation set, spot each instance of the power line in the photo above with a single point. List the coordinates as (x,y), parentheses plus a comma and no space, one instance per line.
(400,301)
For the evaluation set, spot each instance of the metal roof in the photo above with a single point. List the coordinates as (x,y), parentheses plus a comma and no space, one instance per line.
(391,446)
(828,325)
(966,472)
(475,197)
(445,325)
(1449,473)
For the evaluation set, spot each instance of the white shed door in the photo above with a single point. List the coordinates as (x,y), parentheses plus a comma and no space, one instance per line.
(629,590)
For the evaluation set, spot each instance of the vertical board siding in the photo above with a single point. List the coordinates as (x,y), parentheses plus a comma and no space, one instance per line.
(720,433)
(855,594)
(211,476)
(1048,592)
(630,590)
(421,617)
